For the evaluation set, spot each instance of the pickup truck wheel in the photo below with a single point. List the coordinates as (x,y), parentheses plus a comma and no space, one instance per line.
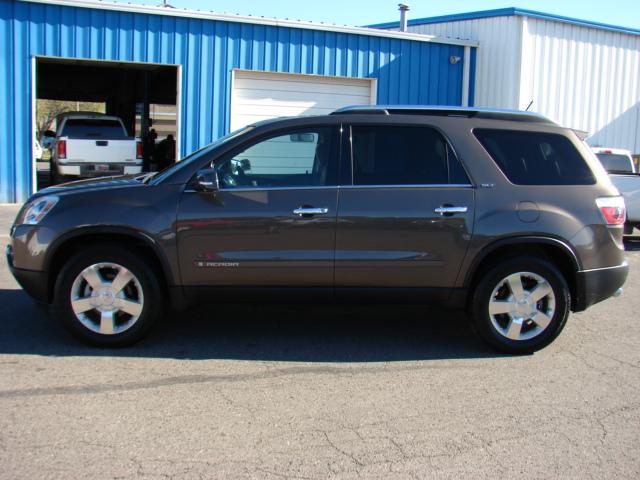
(628,229)
(55,177)
(107,297)
(521,305)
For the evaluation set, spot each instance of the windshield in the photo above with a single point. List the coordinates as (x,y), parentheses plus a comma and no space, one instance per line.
(195,156)
(615,163)
(93,128)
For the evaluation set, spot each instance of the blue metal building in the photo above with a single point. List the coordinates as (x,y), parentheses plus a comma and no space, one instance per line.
(207,50)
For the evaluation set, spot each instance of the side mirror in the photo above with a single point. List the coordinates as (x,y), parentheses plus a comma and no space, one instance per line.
(207,180)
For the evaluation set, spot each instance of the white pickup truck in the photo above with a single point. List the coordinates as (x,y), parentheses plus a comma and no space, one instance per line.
(624,175)
(93,144)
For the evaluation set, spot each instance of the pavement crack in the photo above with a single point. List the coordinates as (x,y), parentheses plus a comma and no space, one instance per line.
(236,404)
(617,360)
(341,451)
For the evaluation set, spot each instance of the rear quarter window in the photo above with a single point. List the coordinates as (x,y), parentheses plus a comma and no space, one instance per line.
(535,158)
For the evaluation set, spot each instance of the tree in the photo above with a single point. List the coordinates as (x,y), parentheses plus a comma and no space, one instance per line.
(47,110)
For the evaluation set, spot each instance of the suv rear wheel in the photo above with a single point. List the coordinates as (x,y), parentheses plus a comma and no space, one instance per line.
(521,305)
(107,297)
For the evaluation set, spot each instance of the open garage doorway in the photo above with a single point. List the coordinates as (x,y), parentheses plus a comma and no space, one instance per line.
(144,96)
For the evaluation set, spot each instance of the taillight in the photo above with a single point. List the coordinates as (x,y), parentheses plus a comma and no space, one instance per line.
(613,210)
(139,150)
(62,149)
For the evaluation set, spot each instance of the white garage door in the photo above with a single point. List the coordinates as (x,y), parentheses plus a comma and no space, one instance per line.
(261,95)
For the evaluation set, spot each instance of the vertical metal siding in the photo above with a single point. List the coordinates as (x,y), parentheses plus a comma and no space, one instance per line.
(498,57)
(584,78)
(408,71)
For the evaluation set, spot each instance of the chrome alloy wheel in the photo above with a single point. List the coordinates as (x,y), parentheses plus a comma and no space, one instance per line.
(107,298)
(522,306)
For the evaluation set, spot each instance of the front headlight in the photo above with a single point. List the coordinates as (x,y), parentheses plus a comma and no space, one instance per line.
(38,209)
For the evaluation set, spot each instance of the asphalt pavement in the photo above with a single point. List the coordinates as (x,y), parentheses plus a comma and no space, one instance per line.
(273,392)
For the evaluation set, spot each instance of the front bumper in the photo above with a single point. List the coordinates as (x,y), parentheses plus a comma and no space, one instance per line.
(593,286)
(35,283)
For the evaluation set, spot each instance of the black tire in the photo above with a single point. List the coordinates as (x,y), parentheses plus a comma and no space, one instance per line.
(628,229)
(55,177)
(144,279)
(493,328)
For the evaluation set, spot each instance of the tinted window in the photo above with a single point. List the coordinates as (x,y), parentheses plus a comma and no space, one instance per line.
(535,158)
(384,155)
(615,163)
(88,128)
(296,159)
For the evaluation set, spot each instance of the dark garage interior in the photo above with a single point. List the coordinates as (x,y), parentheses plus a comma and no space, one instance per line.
(127,90)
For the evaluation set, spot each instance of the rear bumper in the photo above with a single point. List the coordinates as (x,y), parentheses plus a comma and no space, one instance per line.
(92,170)
(593,286)
(33,282)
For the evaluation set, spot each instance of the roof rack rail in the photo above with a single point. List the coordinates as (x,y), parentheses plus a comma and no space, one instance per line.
(370,109)
(440,110)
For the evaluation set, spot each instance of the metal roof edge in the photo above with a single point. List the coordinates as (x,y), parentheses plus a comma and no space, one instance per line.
(237,18)
(502,12)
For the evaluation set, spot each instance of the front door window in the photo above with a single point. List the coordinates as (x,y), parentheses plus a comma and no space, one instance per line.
(299,159)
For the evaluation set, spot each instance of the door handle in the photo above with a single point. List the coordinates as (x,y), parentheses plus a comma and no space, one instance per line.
(302,211)
(450,210)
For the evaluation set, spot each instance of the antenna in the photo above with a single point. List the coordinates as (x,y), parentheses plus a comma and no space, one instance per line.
(529,106)
(166,4)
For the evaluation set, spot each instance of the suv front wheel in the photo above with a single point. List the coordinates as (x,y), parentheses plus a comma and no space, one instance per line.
(521,305)
(107,297)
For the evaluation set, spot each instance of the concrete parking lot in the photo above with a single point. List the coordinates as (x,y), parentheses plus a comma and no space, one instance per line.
(239,391)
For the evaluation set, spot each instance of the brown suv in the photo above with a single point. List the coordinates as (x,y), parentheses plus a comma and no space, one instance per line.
(504,214)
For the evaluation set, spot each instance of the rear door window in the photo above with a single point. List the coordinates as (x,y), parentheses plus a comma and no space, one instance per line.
(399,155)
(535,158)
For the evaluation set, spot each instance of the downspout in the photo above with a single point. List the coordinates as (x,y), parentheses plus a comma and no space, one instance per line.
(466,70)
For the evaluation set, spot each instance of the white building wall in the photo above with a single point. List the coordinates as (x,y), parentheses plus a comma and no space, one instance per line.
(498,57)
(583,78)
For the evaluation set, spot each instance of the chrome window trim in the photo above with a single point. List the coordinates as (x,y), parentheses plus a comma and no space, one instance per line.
(348,187)
(414,185)
(263,189)
(267,189)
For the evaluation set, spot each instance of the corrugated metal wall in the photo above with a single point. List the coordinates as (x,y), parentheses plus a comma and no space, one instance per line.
(498,57)
(408,72)
(584,78)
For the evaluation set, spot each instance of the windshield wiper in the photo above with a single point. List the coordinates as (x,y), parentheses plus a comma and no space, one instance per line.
(145,177)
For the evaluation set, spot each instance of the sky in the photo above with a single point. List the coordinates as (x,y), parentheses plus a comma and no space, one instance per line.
(624,13)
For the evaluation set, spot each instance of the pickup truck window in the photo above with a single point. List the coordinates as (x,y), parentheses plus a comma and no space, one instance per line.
(535,158)
(615,163)
(93,128)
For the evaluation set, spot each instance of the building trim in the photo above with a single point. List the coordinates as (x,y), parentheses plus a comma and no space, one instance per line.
(34,161)
(230,17)
(505,12)
(466,68)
